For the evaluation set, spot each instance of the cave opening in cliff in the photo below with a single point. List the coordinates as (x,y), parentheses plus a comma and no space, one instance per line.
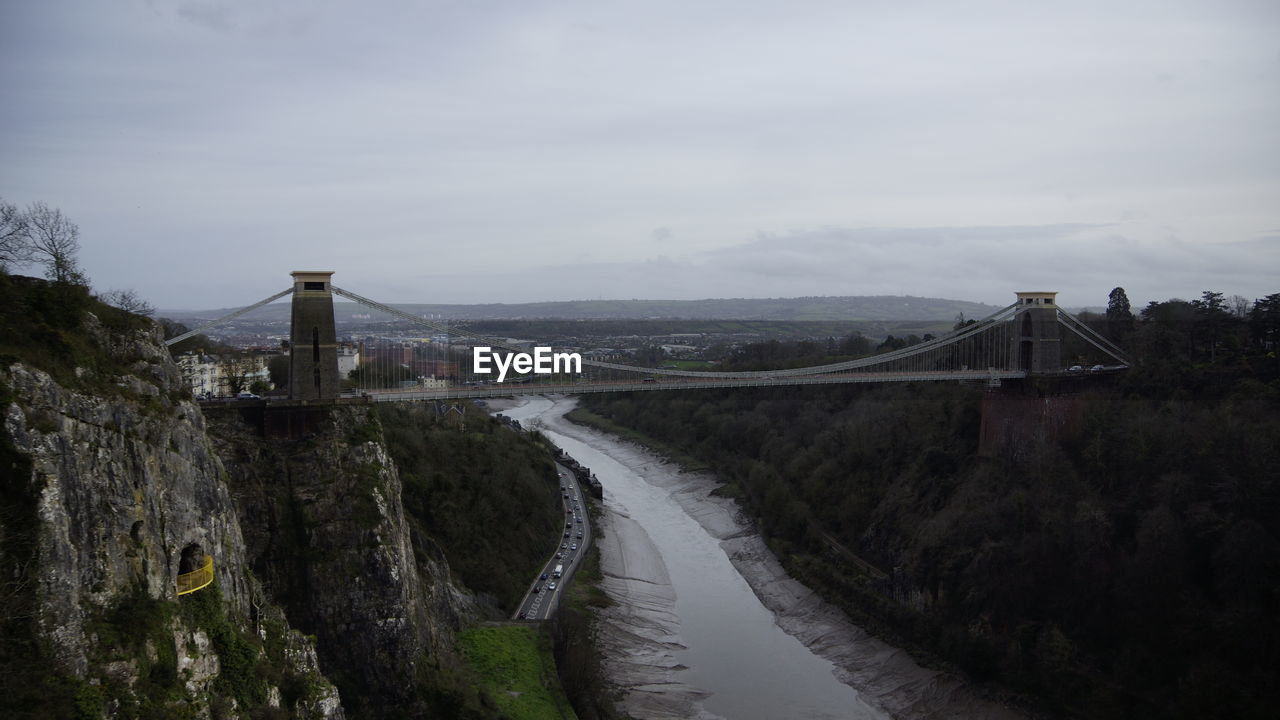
(192,558)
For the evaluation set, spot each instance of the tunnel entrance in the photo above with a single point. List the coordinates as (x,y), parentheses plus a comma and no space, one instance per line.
(195,569)
(192,558)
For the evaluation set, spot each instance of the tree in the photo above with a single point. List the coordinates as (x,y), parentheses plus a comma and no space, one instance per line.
(1212,317)
(129,301)
(857,344)
(1119,314)
(15,242)
(1264,321)
(54,240)
(237,372)
(1239,306)
(278,370)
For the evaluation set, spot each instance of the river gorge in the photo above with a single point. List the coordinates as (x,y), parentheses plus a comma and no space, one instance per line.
(707,624)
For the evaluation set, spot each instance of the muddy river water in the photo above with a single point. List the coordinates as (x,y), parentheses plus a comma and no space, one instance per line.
(705,622)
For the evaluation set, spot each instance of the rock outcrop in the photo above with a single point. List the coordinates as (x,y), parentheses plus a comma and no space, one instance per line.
(119,484)
(327,533)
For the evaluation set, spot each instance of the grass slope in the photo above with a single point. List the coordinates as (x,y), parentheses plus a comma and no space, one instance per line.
(516,668)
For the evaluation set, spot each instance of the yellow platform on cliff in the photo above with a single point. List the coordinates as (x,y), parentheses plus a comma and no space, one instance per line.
(196,579)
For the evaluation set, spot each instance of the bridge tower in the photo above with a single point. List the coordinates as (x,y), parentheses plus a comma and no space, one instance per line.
(1037,343)
(313,342)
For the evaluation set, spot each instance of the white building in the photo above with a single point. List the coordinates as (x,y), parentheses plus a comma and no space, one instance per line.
(202,373)
(214,374)
(348,360)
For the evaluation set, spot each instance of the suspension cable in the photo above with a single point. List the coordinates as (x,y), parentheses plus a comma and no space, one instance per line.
(1088,334)
(955,336)
(226,318)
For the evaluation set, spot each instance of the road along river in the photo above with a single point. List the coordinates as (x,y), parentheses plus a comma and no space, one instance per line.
(706,623)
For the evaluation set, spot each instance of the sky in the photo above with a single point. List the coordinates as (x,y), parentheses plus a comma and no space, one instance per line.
(457,151)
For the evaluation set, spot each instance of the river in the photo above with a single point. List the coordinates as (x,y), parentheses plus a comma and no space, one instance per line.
(705,622)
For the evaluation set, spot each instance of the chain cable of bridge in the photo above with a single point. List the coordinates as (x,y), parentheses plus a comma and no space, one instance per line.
(228,317)
(969,331)
(1092,337)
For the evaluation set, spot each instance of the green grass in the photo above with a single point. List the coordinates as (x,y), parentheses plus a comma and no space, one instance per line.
(516,668)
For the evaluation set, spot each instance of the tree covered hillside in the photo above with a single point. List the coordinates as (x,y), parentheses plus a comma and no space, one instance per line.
(1126,568)
(486,496)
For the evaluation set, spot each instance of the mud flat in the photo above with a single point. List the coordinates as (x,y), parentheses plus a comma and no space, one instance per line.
(640,633)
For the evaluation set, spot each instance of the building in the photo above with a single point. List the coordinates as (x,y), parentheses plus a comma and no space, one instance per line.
(348,359)
(214,375)
(202,373)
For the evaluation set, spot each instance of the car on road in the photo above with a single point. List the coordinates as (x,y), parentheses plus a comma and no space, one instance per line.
(579,536)
(1097,368)
(573,546)
(521,616)
(543,576)
(248,396)
(537,588)
(1075,369)
(559,555)
(551,586)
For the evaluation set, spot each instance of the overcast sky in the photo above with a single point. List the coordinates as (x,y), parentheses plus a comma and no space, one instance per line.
(461,151)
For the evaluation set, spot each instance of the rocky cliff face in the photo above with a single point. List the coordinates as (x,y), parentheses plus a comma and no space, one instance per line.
(118,480)
(326,531)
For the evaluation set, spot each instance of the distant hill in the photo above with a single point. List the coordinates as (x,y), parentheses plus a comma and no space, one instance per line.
(880,308)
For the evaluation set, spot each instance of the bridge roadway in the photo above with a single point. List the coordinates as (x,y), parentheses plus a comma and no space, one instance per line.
(990,376)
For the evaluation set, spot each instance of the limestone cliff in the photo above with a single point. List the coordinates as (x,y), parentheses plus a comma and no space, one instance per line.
(109,481)
(327,533)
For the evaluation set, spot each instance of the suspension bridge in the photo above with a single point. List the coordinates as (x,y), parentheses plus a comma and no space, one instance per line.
(1022,340)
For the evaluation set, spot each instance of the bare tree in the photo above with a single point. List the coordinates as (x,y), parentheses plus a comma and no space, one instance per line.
(237,372)
(129,301)
(15,244)
(55,240)
(1240,306)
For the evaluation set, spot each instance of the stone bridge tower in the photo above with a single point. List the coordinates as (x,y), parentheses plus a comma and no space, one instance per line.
(313,341)
(1038,344)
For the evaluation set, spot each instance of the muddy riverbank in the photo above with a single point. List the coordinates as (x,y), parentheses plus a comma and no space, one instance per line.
(683,641)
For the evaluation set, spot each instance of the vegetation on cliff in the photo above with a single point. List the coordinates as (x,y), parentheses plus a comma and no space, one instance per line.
(485,495)
(47,326)
(1127,567)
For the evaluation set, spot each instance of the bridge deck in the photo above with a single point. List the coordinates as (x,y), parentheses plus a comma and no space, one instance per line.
(684,383)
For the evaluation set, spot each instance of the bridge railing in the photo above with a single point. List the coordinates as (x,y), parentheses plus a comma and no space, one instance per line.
(196,579)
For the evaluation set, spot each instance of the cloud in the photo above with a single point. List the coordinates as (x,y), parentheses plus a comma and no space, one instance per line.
(956,151)
(987,264)
(216,16)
